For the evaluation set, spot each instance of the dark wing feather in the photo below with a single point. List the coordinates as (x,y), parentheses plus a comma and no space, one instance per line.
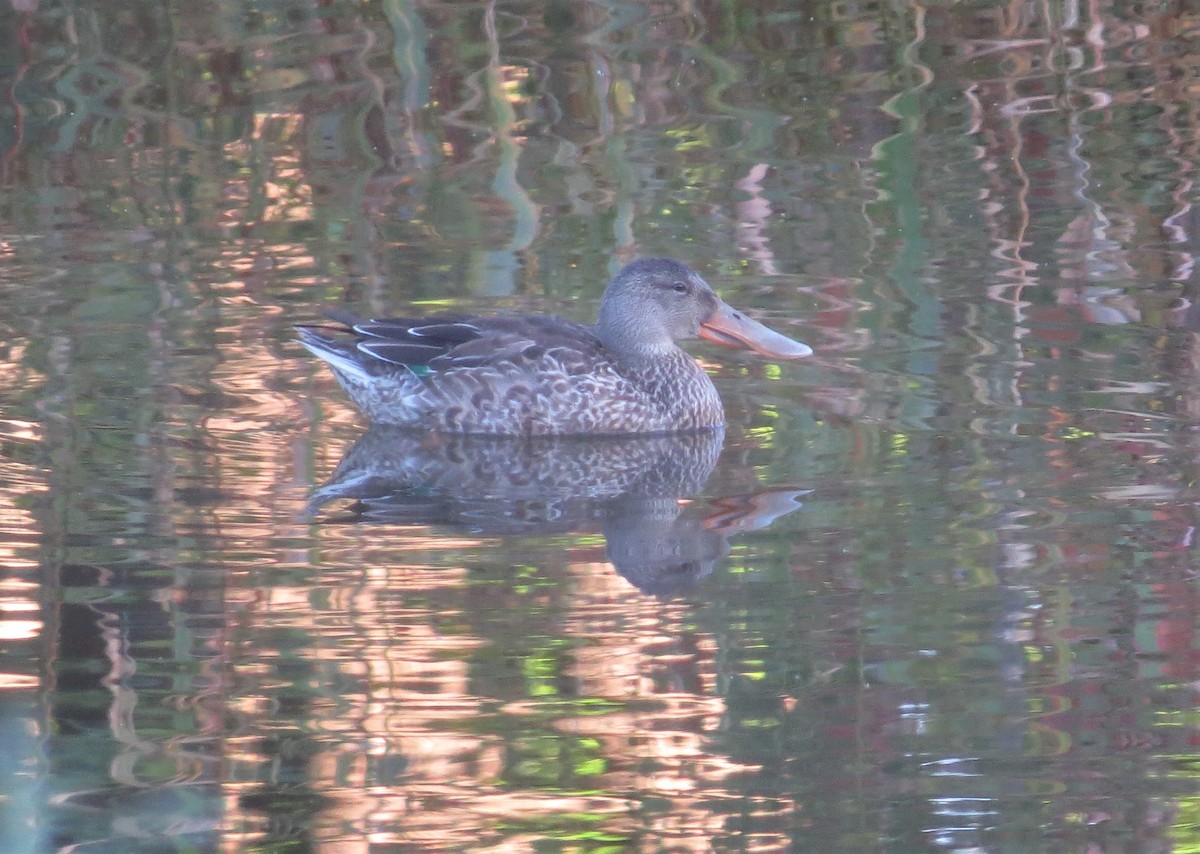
(457,331)
(448,330)
(522,341)
(401,352)
(411,341)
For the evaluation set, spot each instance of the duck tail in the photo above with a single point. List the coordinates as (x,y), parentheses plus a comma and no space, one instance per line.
(341,353)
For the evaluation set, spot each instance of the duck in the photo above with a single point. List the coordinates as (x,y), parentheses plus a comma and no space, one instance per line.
(535,375)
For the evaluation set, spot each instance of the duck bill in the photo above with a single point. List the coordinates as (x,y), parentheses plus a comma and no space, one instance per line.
(730,328)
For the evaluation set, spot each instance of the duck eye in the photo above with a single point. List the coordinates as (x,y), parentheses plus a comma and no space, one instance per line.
(679,288)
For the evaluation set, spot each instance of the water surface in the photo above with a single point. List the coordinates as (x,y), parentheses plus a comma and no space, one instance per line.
(932,589)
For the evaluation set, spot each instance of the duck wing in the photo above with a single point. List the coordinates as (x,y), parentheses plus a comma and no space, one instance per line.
(445,342)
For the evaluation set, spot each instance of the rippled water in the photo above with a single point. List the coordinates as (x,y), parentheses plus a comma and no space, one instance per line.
(932,589)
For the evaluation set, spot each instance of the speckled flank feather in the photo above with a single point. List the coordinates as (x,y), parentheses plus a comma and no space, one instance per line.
(528,375)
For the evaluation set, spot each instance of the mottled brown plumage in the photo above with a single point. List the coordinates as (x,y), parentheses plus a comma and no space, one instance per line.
(531,375)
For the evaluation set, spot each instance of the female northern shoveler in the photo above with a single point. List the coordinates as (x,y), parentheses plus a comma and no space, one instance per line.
(527,375)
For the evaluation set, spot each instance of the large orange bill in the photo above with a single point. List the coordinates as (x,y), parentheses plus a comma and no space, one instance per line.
(730,328)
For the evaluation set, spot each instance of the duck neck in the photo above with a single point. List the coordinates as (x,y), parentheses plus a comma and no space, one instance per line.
(629,344)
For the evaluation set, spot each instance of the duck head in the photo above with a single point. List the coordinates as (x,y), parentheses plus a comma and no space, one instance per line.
(654,302)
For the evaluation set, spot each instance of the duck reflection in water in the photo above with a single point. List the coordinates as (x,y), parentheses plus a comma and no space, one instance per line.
(630,488)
